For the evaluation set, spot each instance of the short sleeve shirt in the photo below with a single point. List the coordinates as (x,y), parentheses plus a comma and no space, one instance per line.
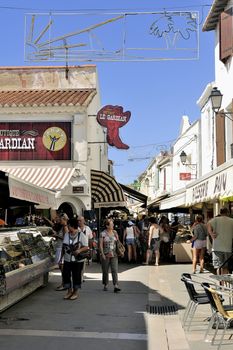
(72,243)
(109,243)
(223,227)
(200,231)
(87,231)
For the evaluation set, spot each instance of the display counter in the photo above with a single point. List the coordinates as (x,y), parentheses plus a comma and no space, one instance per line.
(182,250)
(26,257)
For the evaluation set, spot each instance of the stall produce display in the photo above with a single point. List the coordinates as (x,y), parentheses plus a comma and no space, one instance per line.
(25,260)
(182,250)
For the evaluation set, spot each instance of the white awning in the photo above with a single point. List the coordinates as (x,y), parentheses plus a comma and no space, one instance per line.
(52,178)
(176,200)
(217,184)
(31,193)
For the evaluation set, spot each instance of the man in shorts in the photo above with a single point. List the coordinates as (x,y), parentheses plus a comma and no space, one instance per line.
(220,229)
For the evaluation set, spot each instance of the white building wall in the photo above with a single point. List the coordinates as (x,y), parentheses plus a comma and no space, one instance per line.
(188,142)
(223,81)
(156,179)
(207,133)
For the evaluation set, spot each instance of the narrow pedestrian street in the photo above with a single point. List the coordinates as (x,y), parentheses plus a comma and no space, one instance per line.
(97,320)
(105,319)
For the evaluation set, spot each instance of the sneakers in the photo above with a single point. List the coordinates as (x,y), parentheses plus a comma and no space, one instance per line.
(60,288)
(117,289)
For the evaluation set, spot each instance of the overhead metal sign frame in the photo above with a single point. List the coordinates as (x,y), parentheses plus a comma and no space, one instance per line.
(127,36)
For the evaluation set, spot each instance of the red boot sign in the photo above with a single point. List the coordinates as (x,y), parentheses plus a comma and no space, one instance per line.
(113,118)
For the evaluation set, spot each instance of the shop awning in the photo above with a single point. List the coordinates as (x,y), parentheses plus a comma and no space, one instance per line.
(31,193)
(16,192)
(51,178)
(155,203)
(177,199)
(105,190)
(138,196)
(217,184)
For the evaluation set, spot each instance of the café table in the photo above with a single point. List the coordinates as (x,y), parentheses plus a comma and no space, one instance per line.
(225,282)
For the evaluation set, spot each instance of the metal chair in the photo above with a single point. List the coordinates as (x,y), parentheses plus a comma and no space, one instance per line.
(224,315)
(214,316)
(195,299)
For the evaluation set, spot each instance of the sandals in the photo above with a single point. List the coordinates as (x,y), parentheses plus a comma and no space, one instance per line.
(71,295)
(68,295)
(74,297)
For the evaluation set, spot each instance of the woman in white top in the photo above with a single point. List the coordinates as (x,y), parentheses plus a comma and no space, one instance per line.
(130,234)
(74,244)
(153,241)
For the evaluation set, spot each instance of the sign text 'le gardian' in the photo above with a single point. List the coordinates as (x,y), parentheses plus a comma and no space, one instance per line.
(113,118)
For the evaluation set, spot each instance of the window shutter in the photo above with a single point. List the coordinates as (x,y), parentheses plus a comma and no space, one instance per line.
(226,35)
(220,139)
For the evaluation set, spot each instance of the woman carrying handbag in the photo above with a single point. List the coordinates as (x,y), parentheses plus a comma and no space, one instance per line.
(75,244)
(108,253)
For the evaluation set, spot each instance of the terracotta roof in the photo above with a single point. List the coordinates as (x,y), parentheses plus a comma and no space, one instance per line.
(212,19)
(39,98)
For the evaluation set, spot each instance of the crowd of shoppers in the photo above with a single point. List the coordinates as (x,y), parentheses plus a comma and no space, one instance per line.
(148,240)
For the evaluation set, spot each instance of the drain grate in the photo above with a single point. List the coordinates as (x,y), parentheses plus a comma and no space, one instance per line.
(162,309)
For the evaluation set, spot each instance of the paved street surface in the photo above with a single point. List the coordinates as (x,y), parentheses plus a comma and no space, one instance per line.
(101,320)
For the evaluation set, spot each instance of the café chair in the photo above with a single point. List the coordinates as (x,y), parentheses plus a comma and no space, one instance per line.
(195,299)
(224,315)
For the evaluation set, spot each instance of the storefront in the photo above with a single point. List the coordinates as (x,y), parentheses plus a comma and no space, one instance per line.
(49,135)
(25,257)
(213,190)
(175,203)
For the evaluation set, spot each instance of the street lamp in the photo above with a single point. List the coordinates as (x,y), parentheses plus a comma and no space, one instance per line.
(216,101)
(183,158)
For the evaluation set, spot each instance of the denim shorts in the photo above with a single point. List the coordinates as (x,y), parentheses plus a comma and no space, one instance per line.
(155,244)
(130,241)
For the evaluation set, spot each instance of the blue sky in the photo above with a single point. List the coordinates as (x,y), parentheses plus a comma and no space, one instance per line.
(157,93)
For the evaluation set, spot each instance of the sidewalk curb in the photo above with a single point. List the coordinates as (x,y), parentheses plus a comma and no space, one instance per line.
(165,330)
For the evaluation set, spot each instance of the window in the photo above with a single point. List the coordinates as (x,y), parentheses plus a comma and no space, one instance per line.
(226,35)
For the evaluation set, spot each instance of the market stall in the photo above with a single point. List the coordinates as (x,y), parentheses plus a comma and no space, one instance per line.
(26,257)
(182,250)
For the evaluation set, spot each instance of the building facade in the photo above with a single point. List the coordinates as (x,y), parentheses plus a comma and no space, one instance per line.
(49,136)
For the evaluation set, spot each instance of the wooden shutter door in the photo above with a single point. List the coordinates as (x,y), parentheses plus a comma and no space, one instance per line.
(226,35)
(220,139)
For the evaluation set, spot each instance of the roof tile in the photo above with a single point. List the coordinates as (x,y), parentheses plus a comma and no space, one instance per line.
(41,98)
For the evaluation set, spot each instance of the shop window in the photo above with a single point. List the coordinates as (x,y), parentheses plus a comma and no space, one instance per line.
(226,35)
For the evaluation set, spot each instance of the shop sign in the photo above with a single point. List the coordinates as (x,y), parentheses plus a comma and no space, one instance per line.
(31,193)
(214,187)
(78,189)
(113,118)
(200,191)
(35,141)
(185,176)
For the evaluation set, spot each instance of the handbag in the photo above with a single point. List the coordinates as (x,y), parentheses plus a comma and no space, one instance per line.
(83,255)
(120,249)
